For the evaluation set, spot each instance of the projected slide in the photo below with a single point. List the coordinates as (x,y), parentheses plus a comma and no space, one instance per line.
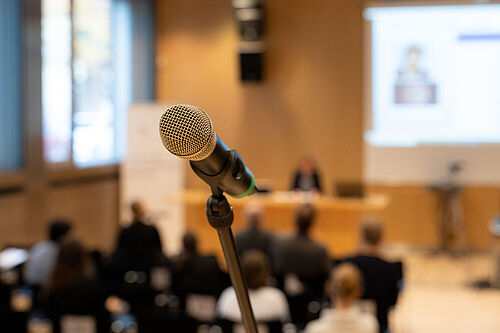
(435,75)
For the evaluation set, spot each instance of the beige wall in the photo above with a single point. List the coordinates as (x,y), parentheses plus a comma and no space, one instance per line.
(309,102)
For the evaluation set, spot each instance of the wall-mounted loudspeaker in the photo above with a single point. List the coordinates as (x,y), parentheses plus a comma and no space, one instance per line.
(251,66)
(249,16)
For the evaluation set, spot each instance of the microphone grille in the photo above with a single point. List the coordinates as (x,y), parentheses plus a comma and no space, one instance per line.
(187,132)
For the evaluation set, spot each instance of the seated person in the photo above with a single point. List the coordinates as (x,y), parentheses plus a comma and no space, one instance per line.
(299,254)
(306,178)
(301,268)
(254,237)
(73,289)
(138,270)
(139,235)
(43,255)
(190,267)
(381,277)
(268,303)
(345,288)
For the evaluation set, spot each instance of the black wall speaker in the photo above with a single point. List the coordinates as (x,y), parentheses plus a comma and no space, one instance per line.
(249,15)
(251,66)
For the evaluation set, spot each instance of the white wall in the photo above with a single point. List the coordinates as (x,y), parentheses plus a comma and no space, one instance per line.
(150,173)
(428,164)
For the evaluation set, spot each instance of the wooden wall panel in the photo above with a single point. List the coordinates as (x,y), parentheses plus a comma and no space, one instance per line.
(481,205)
(14,226)
(309,102)
(412,215)
(93,207)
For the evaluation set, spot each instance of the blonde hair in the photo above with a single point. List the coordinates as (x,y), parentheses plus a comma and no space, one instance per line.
(346,281)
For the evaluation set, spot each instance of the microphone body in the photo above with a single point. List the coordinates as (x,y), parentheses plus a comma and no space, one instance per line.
(187,132)
(225,169)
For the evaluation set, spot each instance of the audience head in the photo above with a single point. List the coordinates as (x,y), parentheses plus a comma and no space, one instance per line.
(190,243)
(71,266)
(371,232)
(256,268)
(252,214)
(345,284)
(138,211)
(58,229)
(304,218)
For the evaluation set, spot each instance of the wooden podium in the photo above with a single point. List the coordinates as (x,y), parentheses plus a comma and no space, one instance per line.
(336,224)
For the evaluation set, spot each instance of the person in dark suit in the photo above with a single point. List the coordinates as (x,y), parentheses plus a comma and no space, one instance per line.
(190,267)
(302,267)
(73,289)
(307,178)
(139,235)
(197,282)
(253,237)
(137,270)
(381,277)
(300,254)
(139,245)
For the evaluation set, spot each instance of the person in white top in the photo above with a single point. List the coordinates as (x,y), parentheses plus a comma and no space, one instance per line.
(268,303)
(345,287)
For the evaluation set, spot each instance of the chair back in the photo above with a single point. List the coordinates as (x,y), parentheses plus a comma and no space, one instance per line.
(140,288)
(78,324)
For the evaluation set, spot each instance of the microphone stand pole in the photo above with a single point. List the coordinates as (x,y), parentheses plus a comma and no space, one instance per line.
(220,216)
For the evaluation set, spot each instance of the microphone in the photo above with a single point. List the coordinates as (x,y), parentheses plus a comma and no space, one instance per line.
(187,132)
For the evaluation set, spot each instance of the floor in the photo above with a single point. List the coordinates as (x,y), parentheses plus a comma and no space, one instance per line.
(438,297)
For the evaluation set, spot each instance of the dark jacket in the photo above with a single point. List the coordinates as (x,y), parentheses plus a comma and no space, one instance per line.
(85,298)
(139,236)
(380,284)
(315,182)
(199,275)
(134,265)
(255,239)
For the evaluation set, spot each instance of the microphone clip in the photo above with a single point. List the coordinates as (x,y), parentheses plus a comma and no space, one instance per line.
(235,179)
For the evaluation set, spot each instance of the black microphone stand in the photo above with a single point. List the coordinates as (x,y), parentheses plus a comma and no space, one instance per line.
(220,216)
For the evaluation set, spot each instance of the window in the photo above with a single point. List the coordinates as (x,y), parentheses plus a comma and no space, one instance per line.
(78,82)
(10,86)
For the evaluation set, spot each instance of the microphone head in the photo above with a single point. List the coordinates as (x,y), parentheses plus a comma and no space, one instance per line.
(187,132)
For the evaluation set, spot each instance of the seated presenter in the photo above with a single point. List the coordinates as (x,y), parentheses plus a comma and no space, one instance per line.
(306,178)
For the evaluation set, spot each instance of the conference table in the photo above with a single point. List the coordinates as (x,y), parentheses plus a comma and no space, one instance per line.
(335,226)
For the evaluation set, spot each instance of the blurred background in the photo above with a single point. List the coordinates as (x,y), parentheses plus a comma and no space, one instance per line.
(391,110)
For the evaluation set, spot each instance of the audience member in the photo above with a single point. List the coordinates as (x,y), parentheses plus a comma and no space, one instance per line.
(74,290)
(190,267)
(43,255)
(300,254)
(138,270)
(268,303)
(139,235)
(306,177)
(139,246)
(302,267)
(254,237)
(380,276)
(345,288)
